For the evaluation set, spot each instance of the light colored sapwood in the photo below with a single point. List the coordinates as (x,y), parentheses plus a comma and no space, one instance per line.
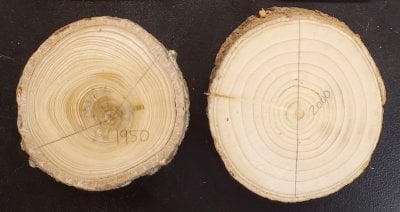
(295,104)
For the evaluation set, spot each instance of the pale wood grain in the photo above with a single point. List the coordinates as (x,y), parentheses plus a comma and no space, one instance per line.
(295,104)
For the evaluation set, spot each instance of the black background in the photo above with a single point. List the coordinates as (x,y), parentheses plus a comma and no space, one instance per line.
(196,179)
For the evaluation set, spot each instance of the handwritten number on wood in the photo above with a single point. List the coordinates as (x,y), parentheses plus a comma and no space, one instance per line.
(131,136)
(323,98)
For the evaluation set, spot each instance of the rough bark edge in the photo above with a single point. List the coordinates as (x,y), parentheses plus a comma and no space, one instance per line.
(166,58)
(288,13)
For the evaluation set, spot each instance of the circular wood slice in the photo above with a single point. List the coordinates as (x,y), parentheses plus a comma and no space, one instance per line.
(295,104)
(100,103)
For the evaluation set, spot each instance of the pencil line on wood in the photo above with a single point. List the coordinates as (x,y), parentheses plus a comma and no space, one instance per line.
(119,107)
(298,107)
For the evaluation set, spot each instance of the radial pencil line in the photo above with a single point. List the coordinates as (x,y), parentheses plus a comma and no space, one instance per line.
(98,123)
(298,107)
(69,135)
(137,82)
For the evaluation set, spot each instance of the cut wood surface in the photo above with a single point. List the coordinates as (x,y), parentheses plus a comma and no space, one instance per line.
(295,104)
(100,103)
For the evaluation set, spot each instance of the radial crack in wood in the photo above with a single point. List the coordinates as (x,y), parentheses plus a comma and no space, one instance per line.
(101,103)
(313,110)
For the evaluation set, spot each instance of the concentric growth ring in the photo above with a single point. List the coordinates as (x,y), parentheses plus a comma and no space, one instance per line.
(100,103)
(295,104)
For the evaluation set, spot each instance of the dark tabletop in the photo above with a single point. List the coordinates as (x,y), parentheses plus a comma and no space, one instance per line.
(196,179)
